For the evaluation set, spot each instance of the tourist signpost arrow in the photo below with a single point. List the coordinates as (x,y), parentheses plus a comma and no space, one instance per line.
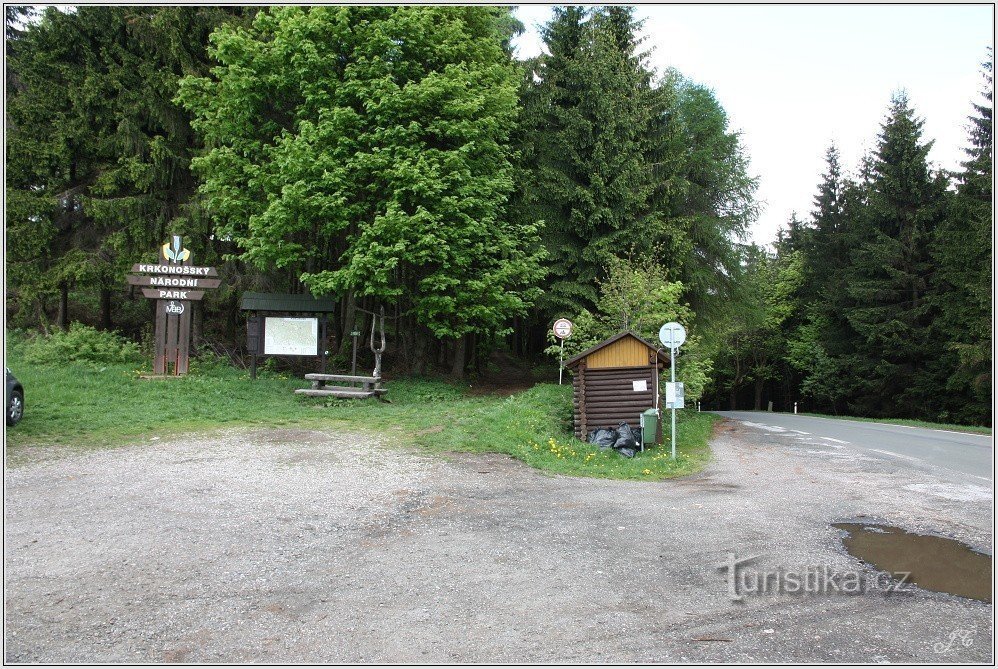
(673,335)
(562,330)
(174,285)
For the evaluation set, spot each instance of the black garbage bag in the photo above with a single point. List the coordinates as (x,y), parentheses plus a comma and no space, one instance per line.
(627,452)
(625,438)
(604,437)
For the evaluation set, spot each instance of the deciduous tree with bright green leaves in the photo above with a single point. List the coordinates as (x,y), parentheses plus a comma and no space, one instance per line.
(638,296)
(366,148)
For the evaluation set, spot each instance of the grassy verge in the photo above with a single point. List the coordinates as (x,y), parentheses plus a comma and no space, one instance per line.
(973,429)
(533,426)
(81,405)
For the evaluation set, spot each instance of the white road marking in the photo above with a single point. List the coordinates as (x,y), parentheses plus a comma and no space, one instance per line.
(840,456)
(926,462)
(768,428)
(897,455)
(800,431)
(837,441)
(965,434)
(907,427)
(959,493)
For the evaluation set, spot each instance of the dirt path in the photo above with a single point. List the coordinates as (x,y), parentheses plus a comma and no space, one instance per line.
(287,545)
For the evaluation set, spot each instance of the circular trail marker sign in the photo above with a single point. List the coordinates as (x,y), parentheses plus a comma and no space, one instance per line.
(562,328)
(672,335)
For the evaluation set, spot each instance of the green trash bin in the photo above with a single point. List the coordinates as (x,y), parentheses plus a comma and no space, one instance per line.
(649,426)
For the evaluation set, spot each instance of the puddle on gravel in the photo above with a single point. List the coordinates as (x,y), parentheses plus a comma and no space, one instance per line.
(936,563)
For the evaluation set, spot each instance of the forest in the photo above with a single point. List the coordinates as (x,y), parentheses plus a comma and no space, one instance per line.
(403,157)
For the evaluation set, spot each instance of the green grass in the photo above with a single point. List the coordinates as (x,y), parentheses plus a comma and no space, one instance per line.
(79,405)
(913,423)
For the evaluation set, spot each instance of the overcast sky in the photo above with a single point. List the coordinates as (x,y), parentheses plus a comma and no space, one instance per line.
(793,79)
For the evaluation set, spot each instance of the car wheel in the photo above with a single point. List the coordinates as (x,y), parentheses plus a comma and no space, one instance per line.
(15,407)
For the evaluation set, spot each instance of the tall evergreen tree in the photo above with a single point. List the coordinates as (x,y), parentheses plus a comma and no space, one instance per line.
(705,197)
(619,165)
(823,344)
(963,283)
(891,272)
(590,182)
(753,347)
(98,152)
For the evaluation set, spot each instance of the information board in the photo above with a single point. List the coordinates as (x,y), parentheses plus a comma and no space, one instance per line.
(290,336)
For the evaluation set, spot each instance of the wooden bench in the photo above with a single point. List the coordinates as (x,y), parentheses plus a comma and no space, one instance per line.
(370,386)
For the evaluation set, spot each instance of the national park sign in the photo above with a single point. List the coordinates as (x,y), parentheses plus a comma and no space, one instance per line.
(173,284)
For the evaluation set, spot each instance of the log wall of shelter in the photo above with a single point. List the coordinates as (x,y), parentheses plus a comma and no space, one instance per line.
(605,396)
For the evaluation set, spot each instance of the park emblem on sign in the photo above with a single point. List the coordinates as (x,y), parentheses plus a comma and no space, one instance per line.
(173,284)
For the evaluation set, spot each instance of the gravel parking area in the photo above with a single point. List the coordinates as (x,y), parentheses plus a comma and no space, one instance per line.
(287,545)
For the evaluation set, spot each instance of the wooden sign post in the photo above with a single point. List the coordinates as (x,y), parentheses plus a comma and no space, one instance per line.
(174,284)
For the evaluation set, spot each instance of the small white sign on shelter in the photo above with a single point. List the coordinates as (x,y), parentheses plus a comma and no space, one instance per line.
(674,395)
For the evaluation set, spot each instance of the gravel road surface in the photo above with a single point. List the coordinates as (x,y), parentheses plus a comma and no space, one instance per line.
(293,545)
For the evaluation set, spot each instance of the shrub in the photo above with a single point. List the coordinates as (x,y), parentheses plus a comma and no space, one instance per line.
(80,343)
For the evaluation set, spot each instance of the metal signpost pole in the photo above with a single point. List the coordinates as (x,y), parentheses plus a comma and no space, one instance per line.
(561,356)
(672,368)
(562,329)
(353,367)
(673,335)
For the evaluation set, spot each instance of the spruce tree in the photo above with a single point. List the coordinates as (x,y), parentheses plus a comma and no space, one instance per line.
(962,249)
(590,182)
(822,345)
(98,152)
(890,274)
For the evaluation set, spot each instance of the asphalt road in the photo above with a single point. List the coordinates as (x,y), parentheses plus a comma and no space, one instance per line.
(940,451)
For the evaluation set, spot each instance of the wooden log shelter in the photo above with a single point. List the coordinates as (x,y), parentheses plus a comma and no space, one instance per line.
(614,382)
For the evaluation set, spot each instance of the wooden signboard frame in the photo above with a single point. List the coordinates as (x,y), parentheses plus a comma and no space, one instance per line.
(260,306)
(174,284)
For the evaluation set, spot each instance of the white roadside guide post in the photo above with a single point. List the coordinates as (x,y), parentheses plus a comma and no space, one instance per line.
(562,330)
(672,335)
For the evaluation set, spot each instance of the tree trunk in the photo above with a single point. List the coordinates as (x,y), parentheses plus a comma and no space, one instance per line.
(105,309)
(419,351)
(758,394)
(460,348)
(63,318)
(197,324)
(441,353)
(476,354)
(734,399)
(42,318)
(349,322)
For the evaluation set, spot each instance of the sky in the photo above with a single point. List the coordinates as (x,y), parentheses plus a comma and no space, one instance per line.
(796,78)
